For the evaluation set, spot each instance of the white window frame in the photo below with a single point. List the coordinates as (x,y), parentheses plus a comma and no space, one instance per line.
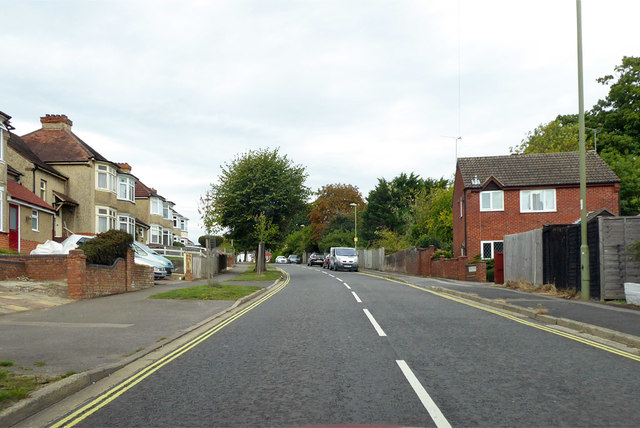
(107,213)
(109,173)
(155,206)
(35,223)
(2,129)
(129,223)
(169,234)
(167,212)
(155,231)
(527,200)
(1,208)
(183,224)
(43,189)
(493,247)
(126,188)
(492,205)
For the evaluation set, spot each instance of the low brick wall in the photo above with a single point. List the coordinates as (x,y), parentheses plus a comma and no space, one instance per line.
(83,281)
(419,261)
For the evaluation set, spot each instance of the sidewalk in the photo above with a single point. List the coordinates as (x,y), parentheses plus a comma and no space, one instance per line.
(85,334)
(608,321)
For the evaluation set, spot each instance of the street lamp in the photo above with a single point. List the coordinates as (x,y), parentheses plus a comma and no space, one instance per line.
(355,228)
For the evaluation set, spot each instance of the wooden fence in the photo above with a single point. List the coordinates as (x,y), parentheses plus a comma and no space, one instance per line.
(616,264)
(523,257)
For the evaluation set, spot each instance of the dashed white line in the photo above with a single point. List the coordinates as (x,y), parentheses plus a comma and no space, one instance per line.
(374,323)
(339,280)
(347,285)
(423,395)
(331,276)
(356,296)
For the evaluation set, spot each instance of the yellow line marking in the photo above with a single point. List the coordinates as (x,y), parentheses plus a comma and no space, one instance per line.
(104,399)
(518,320)
(16,307)
(4,296)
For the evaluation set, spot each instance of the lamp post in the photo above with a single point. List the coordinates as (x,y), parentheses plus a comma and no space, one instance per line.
(595,138)
(584,247)
(355,228)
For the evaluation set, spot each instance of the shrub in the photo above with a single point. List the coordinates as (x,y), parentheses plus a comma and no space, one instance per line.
(446,254)
(178,244)
(106,247)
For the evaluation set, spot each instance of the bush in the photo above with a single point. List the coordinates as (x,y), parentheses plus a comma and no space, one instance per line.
(106,247)
(446,254)
(178,244)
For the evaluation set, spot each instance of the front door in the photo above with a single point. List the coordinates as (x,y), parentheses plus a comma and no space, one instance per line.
(14,233)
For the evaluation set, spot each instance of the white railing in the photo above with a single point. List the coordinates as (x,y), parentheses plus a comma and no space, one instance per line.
(177,251)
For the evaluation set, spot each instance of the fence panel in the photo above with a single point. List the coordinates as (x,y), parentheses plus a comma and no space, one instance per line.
(616,264)
(523,257)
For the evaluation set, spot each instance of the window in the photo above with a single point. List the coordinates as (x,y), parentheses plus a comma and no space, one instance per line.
(105,178)
(461,208)
(156,206)
(34,220)
(539,200)
(105,219)
(492,200)
(183,224)
(175,221)
(1,207)
(155,234)
(490,248)
(127,223)
(166,211)
(43,190)
(1,145)
(126,188)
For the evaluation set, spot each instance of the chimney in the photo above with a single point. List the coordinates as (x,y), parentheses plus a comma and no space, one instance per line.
(56,122)
(154,191)
(125,167)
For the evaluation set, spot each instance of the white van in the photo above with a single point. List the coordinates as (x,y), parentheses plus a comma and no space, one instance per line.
(343,258)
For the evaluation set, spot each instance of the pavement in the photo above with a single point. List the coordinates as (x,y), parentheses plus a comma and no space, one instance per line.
(43,333)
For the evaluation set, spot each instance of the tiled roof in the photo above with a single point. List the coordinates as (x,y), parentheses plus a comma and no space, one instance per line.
(17,191)
(543,169)
(20,147)
(60,145)
(143,191)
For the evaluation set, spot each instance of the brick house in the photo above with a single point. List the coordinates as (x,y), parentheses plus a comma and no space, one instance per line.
(5,126)
(500,195)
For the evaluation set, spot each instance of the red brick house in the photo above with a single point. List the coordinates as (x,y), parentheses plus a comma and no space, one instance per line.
(501,195)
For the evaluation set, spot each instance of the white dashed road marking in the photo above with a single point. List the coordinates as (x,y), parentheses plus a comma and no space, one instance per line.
(374,323)
(423,395)
(356,296)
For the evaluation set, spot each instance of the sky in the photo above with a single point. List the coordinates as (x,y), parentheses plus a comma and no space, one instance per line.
(353,90)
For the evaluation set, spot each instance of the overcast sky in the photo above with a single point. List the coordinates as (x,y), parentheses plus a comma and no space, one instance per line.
(352,90)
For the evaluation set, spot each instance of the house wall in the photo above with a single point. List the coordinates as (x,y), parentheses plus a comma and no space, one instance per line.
(81,188)
(459,245)
(4,206)
(30,238)
(493,225)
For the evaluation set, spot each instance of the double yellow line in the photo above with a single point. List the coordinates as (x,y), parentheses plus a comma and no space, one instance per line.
(519,320)
(104,399)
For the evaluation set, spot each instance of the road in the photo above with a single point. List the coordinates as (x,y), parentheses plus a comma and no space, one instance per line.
(348,348)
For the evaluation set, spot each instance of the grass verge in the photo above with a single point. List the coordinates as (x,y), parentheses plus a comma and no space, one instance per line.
(269,275)
(209,292)
(15,386)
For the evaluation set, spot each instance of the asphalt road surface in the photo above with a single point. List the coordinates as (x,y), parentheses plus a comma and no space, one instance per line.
(347,349)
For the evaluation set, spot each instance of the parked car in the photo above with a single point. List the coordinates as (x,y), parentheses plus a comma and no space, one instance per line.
(293,258)
(281,259)
(168,264)
(343,258)
(315,259)
(142,257)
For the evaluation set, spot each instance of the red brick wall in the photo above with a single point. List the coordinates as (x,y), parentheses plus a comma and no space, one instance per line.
(38,267)
(142,277)
(493,225)
(458,222)
(418,261)
(26,246)
(11,269)
(4,241)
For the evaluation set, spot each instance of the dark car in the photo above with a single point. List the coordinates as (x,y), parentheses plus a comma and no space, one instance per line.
(315,259)
(293,258)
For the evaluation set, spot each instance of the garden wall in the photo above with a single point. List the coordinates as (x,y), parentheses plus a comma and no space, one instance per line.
(418,261)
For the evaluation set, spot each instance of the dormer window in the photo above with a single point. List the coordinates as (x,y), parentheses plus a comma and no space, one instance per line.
(106,178)
(492,200)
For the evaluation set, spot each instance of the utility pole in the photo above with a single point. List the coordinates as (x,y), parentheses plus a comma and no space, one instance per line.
(584,246)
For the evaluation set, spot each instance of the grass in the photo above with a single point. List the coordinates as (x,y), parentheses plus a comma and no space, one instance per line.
(14,387)
(269,275)
(212,291)
(547,289)
(2,251)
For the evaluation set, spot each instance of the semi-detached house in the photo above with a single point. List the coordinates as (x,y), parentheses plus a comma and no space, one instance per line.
(83,192)
(501,195)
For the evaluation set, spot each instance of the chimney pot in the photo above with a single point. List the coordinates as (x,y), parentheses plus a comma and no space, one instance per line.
(56,121)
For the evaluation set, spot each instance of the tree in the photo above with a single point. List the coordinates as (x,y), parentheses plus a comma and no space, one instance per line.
(332,200)
(254,183)
(215,240)
(433,219)
(617,122)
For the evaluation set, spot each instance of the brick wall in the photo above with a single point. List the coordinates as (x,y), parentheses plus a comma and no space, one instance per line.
(493,225)
(4,241)
(83,281)
(418,261)
(26,246)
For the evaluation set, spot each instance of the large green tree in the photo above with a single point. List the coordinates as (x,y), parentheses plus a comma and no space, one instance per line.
(615,121)
(254,184)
